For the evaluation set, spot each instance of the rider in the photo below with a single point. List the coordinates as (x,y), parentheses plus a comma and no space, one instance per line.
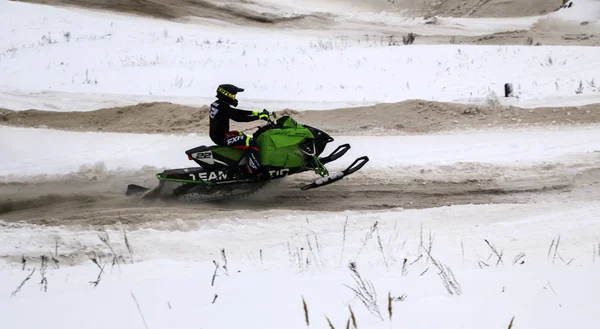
(224,109)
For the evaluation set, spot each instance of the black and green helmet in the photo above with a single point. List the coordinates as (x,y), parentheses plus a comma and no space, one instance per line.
(227,93)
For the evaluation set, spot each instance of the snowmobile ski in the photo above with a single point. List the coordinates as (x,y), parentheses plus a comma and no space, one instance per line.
(324,181)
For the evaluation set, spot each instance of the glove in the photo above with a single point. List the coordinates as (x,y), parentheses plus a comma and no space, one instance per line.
(264,115)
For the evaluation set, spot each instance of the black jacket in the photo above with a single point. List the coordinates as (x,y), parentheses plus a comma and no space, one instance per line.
(221,113)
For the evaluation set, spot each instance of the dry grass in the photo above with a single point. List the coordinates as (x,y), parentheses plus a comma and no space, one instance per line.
(404,267)
(224,257)
(214,276)
(126,240)
(365,291)
(317,260)
(495,251)
(380,248)
(518,258)
(391,301)
(54,257)
(96,259)
(223,268)
(305,308)
(329,323)
(43,269)
(552,245)
(511,323)
(390,307)
(343,240)
(447,276)
(297,258)
(14,293)
(353,318)
(350,323)
(139,310)
(368,237)
(409,39)
(556,253)
(105,238)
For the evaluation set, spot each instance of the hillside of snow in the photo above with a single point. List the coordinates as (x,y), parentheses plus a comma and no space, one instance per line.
(58,58)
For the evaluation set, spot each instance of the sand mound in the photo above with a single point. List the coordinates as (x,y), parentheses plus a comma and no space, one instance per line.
(148,118)
(406,117)
(261,12)
(237,12)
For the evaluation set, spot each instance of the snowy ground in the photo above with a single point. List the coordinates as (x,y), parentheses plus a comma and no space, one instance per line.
(460,266)
(50,57)
(42,151)
(273,262)
(274,258)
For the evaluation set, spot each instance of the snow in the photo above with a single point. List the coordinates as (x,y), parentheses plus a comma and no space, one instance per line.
(73,52)
(579,10)
(43,151)
(172,274)
(17,100)
(277,258)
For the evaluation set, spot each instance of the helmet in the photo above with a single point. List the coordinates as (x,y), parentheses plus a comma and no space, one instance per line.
(227,93)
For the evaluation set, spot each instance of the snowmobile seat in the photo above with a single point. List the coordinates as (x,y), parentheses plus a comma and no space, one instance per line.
(202,148)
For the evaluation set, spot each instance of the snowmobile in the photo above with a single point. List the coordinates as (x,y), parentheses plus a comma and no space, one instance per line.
(286,148)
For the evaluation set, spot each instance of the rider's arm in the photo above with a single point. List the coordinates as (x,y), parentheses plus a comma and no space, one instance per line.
(240,115)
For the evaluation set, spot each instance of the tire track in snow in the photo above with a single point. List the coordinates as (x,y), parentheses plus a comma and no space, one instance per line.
(99,200)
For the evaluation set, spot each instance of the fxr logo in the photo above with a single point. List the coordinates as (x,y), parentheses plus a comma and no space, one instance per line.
(234,139)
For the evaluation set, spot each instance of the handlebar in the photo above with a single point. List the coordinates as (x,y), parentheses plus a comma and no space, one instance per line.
(268,122)
(274,116)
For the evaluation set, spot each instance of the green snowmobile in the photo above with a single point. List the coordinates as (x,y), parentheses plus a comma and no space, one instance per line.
(286,148)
